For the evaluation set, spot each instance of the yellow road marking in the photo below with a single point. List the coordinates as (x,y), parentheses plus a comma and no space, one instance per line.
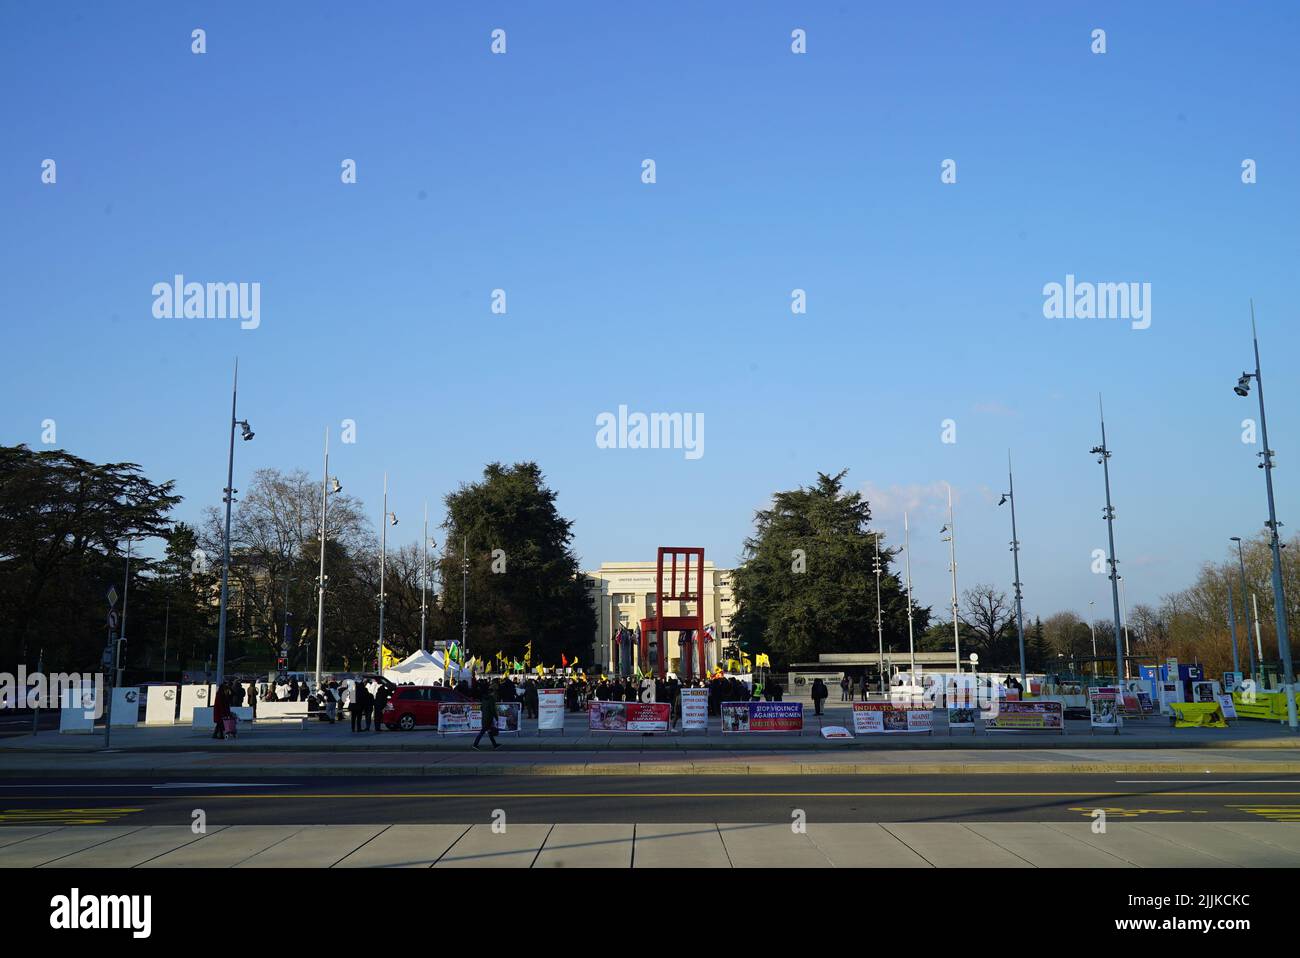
(63,816)
(1135,812)
(1274,813)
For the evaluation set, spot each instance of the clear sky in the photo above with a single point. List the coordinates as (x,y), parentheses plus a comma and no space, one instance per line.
(775,171)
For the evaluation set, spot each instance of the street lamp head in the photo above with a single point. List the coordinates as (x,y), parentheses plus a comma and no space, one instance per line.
(944,529)
(335,485)
(244,428)
(392,518)
(1005,497)
(1243,385)
(1234,538)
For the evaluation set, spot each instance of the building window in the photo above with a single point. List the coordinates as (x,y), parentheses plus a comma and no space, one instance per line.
(624,598)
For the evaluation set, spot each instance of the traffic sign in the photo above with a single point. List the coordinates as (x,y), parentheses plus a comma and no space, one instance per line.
(112,597)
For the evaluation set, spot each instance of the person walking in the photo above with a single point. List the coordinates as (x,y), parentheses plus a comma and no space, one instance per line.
(845,685)
(381,699)
(221,709)
(252,699)
(488,723)
(819,694)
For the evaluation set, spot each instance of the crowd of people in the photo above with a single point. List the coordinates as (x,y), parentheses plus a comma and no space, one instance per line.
(364,701)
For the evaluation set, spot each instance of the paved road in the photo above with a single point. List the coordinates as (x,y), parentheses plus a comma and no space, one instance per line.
(255,800)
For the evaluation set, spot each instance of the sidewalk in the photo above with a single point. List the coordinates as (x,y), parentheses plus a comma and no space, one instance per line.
(686,845)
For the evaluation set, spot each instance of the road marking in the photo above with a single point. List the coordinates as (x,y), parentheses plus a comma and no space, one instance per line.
(1274,813)
(1134,812)
(1207,781)
(63,816)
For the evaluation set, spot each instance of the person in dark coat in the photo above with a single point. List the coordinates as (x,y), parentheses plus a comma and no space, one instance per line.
(381,699)
(530,698)
(252,699)
(361,706)
(488,726)
(220,709)
(819,694)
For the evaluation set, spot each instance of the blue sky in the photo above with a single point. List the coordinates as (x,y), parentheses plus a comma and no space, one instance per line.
(775,171)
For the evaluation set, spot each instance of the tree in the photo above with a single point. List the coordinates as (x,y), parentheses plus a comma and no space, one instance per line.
(807,583)
(274,562)
(524,580)
(1036,654)
(64,522)
(990,627)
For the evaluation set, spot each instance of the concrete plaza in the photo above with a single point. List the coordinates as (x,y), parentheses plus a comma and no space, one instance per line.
(685,845)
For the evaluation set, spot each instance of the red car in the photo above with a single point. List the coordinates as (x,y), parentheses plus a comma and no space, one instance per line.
(413,705)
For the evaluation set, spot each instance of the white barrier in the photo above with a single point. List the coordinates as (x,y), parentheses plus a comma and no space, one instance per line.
(77,710)
(160,705)
(192,697)
(203,717)
(126,708)
(277,710)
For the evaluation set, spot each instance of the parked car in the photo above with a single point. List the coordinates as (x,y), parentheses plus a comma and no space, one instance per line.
(414,705)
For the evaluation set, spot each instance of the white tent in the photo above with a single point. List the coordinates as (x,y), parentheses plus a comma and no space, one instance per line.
(420,668)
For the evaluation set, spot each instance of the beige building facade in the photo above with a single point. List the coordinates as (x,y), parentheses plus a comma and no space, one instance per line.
(623,593)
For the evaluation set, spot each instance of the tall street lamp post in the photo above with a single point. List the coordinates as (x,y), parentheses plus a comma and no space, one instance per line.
(951,539)
(1015,558)
(388,518)
(911,644)
(229,498)
(1103,457)
(1279,595)
(321,578)
(880,629)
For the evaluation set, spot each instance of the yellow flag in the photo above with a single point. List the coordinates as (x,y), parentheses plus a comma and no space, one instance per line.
(389,658)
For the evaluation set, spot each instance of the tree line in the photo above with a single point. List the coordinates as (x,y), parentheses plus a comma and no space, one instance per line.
(65,524)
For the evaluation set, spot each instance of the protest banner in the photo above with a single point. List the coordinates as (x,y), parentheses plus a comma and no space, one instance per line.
(762,716)
(695,710)
(1228,706)
(872,718)
(459,717)
(1204,692)
(1026,716)
(628,716)
(962,718)
(1104,709)
(550,709)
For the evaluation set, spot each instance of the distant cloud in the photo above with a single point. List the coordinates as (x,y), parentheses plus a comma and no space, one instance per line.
(915,498)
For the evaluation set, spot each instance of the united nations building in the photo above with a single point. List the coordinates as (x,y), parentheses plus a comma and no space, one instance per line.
(624,596)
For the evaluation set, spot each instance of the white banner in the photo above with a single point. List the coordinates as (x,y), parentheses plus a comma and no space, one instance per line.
(1228,706)
(192,697)
(126,707)
(550,708)
(77,710)
(160,704)
(695,710)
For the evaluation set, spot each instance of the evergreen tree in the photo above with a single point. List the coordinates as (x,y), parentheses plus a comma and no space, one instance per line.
(807,583)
